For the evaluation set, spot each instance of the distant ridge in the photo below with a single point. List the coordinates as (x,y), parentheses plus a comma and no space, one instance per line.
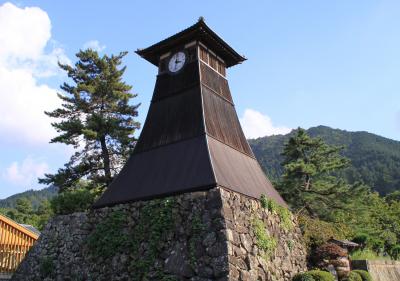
(375,160)
(35,196)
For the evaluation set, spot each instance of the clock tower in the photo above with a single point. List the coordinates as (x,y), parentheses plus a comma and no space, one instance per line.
(192,139)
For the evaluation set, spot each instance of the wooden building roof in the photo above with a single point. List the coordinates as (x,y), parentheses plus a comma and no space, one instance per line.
(27,230)
(192,139)
(199,31)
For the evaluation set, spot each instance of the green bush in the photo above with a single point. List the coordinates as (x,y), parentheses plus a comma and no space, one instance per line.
(314,275)
(354,276)
(395,252)
(367,254)
(71,201)
(303,277)
(365,276)
(319,275)
(377,245)
(361,239)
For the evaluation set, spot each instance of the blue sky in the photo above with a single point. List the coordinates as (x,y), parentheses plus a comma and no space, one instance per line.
(334,63)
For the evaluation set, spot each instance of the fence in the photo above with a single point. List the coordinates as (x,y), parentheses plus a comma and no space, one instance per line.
(15,242)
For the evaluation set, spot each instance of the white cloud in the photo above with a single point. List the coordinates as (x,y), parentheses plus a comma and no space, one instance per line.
(25,173)
(94,45)
(24,35)
(256,124)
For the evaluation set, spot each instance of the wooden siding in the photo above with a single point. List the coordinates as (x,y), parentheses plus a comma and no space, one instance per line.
(215,82)
(222,122)
(15,242)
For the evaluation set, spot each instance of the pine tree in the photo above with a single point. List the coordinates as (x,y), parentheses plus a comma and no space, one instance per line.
(308,183)
(96,118)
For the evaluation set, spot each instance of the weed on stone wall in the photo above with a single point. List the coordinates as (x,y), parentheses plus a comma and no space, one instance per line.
(197,230)
(144,240)
(108,239)
(46,267)
(284,214)
(155,223)
(265,241)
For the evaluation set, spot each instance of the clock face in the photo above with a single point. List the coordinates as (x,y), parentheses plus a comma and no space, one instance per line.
(177,61)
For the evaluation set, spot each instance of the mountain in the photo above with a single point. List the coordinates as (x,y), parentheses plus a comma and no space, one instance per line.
(375,160)
(35,196)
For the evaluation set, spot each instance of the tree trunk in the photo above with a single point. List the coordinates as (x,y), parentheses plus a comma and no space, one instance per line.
(106,159)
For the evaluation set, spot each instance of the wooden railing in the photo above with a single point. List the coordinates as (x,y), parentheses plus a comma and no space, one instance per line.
(15,242)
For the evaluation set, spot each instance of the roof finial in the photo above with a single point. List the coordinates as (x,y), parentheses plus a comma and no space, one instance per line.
(201,18)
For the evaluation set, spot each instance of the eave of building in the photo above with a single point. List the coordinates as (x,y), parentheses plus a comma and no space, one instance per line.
(199,32)
(19,227)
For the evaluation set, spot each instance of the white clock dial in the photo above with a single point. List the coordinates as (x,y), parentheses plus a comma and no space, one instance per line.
(177,61)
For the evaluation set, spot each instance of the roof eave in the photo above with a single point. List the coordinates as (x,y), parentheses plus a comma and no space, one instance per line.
(199,31)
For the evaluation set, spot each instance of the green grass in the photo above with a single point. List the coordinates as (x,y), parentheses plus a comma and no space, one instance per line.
(367,254)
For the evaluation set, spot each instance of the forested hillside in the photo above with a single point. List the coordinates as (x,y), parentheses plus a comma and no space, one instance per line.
(375,160)
(34,196)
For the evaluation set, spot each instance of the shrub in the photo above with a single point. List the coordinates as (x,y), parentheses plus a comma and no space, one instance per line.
(354,276)
(366,254)
(361,239)
(303,277)
(314,275)
(377,245)
(329,251)
(395,252)
(365,276)
(76,200)
(320,275)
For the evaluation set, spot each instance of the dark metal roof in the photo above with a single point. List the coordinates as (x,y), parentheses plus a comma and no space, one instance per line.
(170,169)
(239,172)
(199,31)
(30,228)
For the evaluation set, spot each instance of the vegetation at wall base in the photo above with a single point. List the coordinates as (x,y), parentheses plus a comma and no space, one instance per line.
(353,276)
(314,275)
(365,276)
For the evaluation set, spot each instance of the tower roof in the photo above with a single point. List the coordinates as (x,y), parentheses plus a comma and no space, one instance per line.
(199,31)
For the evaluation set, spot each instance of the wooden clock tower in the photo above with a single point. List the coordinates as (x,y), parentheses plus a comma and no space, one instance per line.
(192,139)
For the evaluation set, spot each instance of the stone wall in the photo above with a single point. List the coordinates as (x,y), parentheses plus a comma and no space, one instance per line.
(380,270)
(197,236)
